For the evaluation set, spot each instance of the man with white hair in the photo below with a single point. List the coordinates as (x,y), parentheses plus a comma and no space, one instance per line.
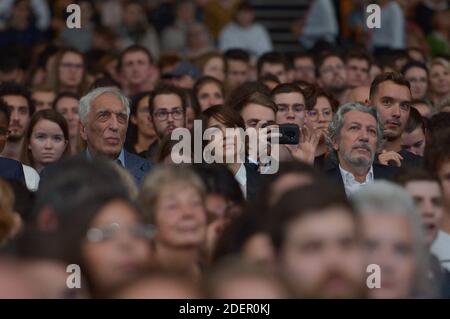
(355,135)
(104,114)
(394,241)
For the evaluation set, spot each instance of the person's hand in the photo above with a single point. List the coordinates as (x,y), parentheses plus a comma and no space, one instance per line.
(389,157)
(305,151)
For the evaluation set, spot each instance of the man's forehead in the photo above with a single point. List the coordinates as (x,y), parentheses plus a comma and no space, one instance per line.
(394,90)
(167,100)
(15,100)
(356,116)
(135,55)
(107,101)
(332,60)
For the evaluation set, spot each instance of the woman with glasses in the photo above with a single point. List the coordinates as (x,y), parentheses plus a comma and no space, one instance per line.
(172,198)
(320,107)
(68,72)
(110,243)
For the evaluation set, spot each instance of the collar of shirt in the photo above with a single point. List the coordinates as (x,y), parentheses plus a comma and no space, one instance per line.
(241,177)
(351,184)
(121,157)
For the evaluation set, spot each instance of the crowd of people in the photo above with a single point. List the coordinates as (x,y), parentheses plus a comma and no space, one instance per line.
(91,176)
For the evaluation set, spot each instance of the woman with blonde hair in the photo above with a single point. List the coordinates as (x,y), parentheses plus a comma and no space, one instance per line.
(10,221)
(439,80)
(173,200)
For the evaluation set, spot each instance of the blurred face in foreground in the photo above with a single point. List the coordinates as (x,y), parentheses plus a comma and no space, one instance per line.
(322,256)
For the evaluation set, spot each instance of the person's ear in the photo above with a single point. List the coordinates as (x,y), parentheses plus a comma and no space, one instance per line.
(133,119)
(83,132)
(335,144)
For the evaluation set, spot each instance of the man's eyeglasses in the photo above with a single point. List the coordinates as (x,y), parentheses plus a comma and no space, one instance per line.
(163,115)
(108,232)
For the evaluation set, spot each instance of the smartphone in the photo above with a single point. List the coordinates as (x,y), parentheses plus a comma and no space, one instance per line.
(290,133)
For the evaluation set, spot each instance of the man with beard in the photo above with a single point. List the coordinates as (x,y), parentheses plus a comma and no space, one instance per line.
(314,232)
(355,134)
(167,107)
(332,75)
(21,108)
(390,94)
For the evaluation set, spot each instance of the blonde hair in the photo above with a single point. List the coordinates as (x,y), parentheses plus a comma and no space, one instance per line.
(161,177)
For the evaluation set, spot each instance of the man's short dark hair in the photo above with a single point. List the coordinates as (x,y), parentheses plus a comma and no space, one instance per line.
(358,54)
(131,49)
(301,202)
(395,77)
(63,95)
(414,64)
(237,54)
(323,57)
(164,89)
(405,176)
(415,120)
(286,88)
(271,58)
(13,88)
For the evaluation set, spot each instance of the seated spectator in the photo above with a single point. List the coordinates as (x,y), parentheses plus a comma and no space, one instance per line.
(10,221)
(244,33)
(355,134)
(391,222)
(135,28)
(332,75)
(314,231)
(439,80)
(417,75)
(237,68)
(104,116)
(273,63)
(67,105)
(208,91)
(172,198)
(43,98)
(212,64)
(140,133)
(358,65)
(304,67)
(46,140)
(413,137)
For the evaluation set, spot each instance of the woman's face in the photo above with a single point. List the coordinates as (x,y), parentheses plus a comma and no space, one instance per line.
(419,82)
(142,119)
(180,216)
(225,143)
(47,142)
(440,79)
(68,107)
(215,67)
(117,246)
(320,116)
(209,95)
(71,69)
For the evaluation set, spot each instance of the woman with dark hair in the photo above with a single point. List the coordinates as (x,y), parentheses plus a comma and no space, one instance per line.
(414,135)
(417,75)
(208,91)
(320,107)
(66,103)
(46,140)
(230,150)
(141,133)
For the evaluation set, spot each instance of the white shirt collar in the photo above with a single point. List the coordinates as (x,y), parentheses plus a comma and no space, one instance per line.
(351,184)
(241,177)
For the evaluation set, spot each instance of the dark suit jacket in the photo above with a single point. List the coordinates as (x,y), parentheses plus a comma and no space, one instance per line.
(379,172)
(11,169)
(253,180)
(137,166)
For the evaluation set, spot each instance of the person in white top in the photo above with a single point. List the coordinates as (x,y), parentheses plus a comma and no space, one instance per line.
(244,33)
